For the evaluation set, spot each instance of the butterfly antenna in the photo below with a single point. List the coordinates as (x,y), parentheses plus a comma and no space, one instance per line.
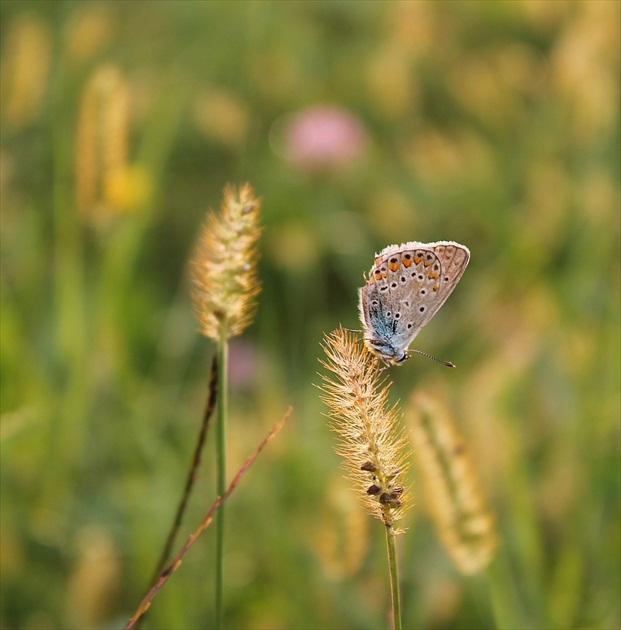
(429,356)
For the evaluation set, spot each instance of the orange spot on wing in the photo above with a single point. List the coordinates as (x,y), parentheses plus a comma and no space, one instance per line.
(436,287)
(433,275)
(393,265)
(406,262)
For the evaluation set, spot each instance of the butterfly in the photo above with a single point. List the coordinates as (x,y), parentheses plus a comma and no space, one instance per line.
(406,286)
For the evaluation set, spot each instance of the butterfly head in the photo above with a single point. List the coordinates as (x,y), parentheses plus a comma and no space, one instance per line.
(385,351)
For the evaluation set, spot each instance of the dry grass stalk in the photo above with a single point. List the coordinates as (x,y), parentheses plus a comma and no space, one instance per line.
(464,524)
(224,267)
(374,450)
(207,519)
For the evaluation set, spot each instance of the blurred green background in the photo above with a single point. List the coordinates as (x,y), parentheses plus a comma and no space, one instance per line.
(359,124)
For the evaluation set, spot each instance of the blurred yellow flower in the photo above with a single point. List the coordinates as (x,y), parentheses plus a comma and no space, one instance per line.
(391,81)
(294,246)
(222,117)
(585,69)
(128,187)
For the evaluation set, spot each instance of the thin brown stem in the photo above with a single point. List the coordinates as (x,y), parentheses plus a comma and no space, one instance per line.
(176,562)
(192,473)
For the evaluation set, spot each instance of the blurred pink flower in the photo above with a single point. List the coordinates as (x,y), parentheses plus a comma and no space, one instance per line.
(323,136)
(243,363)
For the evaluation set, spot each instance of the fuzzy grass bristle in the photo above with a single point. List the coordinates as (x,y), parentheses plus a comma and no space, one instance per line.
(373,449)
(224,268)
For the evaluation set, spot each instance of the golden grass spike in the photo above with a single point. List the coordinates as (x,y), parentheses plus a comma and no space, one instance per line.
(102,143)
(465,526)
(340,537)
(224,270)
(373,449)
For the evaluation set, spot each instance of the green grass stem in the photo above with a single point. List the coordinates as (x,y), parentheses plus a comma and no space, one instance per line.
(223,350)
(394,578)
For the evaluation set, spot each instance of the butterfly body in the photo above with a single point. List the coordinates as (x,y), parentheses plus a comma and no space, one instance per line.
(407,285)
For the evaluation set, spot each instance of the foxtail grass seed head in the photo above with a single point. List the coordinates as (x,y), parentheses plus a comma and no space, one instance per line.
(340,531)
(106,182)
(464,525)
(373,449)
(224,270)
